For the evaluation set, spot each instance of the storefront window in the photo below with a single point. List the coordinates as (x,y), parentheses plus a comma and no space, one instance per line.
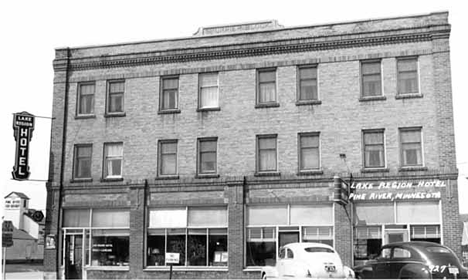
(261,246)
(198,234)
(429,233)
(367,244)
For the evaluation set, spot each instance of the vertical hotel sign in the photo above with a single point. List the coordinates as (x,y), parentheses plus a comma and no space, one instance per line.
(23,126)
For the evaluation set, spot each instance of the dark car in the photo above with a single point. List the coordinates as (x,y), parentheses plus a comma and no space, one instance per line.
(415,259)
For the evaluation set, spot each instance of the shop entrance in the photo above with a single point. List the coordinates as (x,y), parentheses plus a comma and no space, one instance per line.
(74,257)
(396,235)
(288,236)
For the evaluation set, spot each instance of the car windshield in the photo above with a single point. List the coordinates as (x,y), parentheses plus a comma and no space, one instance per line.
(318,250)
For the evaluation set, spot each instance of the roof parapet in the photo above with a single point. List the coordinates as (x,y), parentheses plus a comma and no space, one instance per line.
(238,28)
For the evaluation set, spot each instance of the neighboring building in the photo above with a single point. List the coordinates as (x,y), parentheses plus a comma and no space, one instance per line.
(28,234)
(223,146)
(464,220)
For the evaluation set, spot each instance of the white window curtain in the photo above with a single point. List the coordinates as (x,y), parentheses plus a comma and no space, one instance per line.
(381,213)
(310,158)
(411,146)
(76,218)
(207,217)
(408,76)
(267,154)
(267,215)
(86,99)
(311,215)
(114,159)
(169,158)
(209,90)
(111,218)
(167,218)
(418,212)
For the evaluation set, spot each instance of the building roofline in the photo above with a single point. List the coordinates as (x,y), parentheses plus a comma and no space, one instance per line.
(194,37)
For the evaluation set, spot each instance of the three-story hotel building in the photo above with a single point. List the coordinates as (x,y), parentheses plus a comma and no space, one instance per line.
(222,147)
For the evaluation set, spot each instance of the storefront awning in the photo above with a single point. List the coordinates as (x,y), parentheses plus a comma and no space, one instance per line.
(465,234)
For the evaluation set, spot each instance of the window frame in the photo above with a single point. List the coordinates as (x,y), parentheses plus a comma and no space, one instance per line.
(299,100)
(79,96)
(258,154)
(162,109)
(105,169)
(362,82)
(108,98)
(273,103)
(401,130)
(201,172)
(76,165)
(200,89)
(418,78)
(300,151)
(383,144)
(160,157)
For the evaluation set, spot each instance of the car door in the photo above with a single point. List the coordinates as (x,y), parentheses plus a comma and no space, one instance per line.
(280,264)
(381,267)
(400,257)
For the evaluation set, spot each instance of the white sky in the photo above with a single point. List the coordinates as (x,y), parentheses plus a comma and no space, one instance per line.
(31,30)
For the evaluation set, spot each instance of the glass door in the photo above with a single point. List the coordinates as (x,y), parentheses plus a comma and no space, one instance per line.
(73,256)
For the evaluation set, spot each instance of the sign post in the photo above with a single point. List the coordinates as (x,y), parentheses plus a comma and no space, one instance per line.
(23,126)
(172,258)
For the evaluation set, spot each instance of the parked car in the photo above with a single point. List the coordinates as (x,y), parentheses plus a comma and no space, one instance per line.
(307,260)
(416,259)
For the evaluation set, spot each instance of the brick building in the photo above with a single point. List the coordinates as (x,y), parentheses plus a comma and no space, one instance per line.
(223,146)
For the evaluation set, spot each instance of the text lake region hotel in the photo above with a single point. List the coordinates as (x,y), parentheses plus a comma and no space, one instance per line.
(223,146)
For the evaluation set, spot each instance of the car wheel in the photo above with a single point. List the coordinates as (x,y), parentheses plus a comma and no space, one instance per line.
(264,276)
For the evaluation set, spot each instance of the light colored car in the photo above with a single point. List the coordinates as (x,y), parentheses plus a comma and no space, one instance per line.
(307,260)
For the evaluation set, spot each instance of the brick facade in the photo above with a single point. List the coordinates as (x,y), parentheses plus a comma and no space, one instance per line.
(339,117)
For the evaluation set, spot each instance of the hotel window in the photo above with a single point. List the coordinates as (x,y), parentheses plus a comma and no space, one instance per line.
(113,160)
(169,93)
(115,97)
(307,83)
(266,87)
(209,91)
(407,75)
(198,234)
(374,148)
(82,161)
(267,153)
(167,157)
(309,151)
(371,78)
(207,162)
(85,99)
(271,227)
(411,147)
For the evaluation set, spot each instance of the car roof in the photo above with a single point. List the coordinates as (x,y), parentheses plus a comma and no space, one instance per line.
(419,244)
(303,245)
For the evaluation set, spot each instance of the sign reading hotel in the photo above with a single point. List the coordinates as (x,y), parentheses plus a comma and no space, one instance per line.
(397,190)
(23,126)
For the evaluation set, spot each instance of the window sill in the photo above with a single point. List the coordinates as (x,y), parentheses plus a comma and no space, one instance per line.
(208,109)
(205,176)
(267,105)
(169,111)
(308,102)
(412,168)
(408,95)
(85,117)
(374,170)
(186,268)
(167,177)
(267,174)
(120,179)
(109,268)
(81,180)
(372,98)
(252,268)
(114,115)
(310,172)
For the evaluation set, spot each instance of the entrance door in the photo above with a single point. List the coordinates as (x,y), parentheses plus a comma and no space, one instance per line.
(288,237)
(73,256)
(396,235)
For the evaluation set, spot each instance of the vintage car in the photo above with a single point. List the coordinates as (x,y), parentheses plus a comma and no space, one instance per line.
(416,259)
(307,260)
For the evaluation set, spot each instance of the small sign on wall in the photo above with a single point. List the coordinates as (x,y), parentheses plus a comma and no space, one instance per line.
(50,241)
(172,258)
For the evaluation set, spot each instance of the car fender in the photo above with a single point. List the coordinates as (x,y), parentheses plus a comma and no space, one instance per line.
(414,271)
(364,272)
(269,272)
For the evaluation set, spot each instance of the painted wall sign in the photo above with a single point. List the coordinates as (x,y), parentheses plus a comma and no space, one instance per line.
(397,190)
(23,126)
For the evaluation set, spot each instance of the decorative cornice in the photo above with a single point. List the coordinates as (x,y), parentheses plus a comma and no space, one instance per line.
(244,50)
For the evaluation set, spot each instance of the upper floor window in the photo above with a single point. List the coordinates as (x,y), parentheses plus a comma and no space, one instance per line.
(115,97)
(82,161)
(266,153)
(307,83)
(167,157)
(169,93)
(371,78)
(411,146)
(309,151)
(209,92)
(207,149)
(266,87)
(374,149)
(407,75)
(85,98)
(113,160)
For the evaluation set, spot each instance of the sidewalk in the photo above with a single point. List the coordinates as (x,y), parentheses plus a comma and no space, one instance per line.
(24,275)
(24,271)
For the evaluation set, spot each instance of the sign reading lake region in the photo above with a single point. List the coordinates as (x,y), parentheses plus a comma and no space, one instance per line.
(23,126)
